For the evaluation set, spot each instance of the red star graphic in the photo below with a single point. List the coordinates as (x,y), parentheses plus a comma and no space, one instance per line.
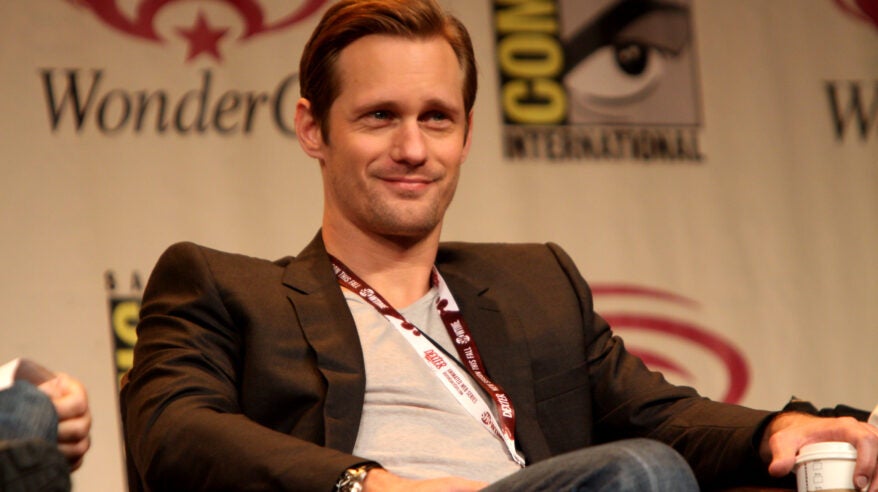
(203,39)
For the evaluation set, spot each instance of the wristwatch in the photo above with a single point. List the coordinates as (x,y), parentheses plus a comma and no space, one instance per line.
(352,479)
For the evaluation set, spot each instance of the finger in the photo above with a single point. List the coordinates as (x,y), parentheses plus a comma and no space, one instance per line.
(73,430)
(784,447)
(864,471)
(782,464)
(867,458)
(873,484)
(782,439)
(75,452)
(72,401)
(75,465)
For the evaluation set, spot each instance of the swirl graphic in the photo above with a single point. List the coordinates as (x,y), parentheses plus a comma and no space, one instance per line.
(737,372)
(865,10)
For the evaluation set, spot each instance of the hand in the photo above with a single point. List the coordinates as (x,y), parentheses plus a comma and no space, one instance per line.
(788,432)
(382,480)
(74,418)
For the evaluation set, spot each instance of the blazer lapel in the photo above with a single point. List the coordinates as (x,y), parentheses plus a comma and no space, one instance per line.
(329,328)
(502,342)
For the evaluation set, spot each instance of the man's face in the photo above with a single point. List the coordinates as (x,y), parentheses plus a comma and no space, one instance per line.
(396,139)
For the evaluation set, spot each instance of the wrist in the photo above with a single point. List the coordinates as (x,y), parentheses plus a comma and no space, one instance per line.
(379,479)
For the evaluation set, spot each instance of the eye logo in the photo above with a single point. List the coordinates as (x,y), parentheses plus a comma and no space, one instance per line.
(596,80)
(865,10)
(618,65)
(201,36)
(649,321)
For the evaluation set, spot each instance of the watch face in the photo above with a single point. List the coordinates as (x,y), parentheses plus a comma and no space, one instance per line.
(352,479)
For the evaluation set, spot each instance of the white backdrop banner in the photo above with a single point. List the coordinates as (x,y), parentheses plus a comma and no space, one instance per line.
(711,166)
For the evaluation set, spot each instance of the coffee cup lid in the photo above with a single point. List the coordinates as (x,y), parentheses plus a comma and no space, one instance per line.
(827,450)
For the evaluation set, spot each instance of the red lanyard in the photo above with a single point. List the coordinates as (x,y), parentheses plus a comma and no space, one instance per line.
(445,371)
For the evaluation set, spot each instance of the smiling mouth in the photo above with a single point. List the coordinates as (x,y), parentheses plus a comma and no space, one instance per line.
(408,184)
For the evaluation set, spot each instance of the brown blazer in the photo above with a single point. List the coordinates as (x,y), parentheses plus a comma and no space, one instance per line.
(248,374)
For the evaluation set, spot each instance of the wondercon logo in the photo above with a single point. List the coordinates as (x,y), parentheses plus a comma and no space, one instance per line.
(690,354)
(865,10)
(202,34)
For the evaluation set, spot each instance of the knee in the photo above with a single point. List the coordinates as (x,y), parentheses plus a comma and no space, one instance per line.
(26,412)
(657,464)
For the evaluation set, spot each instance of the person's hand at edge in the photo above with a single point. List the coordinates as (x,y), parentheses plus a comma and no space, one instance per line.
(74,417)
(788,432)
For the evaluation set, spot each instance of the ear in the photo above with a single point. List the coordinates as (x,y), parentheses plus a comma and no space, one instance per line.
(468,138)
(308,130)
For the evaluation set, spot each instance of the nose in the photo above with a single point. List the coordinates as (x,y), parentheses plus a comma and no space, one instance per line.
(409,146)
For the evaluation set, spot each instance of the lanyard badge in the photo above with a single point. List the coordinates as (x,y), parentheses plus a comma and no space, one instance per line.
(447,371)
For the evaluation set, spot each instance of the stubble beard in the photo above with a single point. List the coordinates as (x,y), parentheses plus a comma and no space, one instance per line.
(409,217)
(399,217)
(404,220)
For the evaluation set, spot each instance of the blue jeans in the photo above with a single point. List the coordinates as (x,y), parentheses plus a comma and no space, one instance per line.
(633,465)
(27,413)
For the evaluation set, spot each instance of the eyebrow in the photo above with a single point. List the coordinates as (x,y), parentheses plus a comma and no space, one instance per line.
(443,106)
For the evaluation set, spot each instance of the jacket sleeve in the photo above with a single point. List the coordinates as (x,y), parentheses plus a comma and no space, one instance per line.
(183,422)
(718,440)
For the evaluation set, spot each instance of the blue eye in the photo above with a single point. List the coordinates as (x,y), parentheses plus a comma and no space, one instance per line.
(436,116)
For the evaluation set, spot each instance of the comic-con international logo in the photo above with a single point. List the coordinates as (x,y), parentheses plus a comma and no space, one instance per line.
(88,99)
(598,79)
(124,303)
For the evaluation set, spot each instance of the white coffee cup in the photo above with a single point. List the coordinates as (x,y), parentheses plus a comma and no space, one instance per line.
(826,466)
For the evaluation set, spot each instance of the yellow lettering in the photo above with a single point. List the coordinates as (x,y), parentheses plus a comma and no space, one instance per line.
(527,15)
(540,101)
(125,317)
(530,56)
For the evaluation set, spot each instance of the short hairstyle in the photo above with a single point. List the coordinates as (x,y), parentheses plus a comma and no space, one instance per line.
(350,20)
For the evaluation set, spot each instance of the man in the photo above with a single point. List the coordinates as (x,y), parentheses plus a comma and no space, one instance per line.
(379,359)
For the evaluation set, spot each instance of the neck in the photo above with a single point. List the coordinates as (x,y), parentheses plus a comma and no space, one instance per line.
(396,267)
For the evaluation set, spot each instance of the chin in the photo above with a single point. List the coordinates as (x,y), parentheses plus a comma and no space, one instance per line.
(413,231)
(402,225)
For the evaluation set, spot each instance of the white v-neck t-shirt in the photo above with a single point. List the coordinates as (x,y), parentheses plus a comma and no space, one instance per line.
(411,424)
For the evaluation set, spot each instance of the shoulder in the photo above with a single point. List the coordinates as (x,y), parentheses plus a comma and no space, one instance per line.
(187,262)
(192,252)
